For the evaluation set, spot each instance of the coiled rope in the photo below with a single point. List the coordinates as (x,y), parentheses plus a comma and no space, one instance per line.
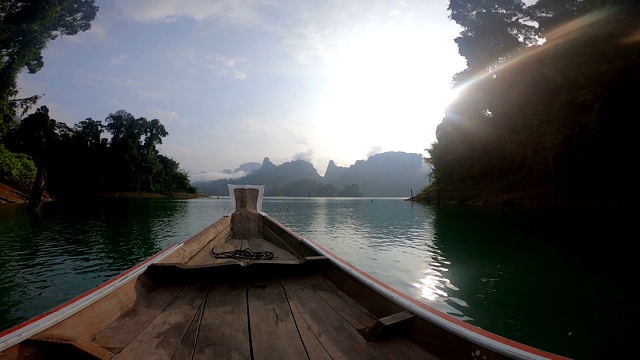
(244,254)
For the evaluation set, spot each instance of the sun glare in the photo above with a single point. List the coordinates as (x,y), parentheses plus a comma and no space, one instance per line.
(387,89)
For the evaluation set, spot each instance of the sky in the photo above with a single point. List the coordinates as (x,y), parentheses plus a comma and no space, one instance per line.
(234,81)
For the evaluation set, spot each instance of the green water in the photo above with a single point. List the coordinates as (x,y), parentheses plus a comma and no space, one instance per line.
(560,281)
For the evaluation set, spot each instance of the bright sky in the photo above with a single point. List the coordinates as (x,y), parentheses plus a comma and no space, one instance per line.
(234,81)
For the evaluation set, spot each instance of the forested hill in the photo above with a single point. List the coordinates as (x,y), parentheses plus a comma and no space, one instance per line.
(546,106)
(79,161)
(387,174)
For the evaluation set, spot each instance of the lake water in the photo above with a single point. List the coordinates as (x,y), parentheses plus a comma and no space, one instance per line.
(562,281)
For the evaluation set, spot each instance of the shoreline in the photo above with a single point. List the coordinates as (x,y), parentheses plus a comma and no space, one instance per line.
(11,195)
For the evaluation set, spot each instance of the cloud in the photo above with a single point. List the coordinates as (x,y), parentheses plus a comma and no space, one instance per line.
(374,150)
(225,66)
(166,116)
(211,175)
(244,12)
(314,28)
(220,65)
(306,156)
(119,59)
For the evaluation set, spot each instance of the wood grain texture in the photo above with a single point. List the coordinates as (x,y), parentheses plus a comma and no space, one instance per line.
(161,338)
(224,329)
(274,334)
(145,310)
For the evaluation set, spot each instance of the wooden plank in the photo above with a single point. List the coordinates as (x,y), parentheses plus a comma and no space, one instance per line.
(127,327)
(278,253)
(99,315)
(358,317)
(398,347)
(188,343)
(313,346)
(222,242)
(84,348)
(339,338)
(224,329)
(384,325)
(195,244)
(161,338)
(334,321)
(274,334)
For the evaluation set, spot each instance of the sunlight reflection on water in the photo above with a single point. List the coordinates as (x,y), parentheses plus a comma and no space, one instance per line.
(390,239)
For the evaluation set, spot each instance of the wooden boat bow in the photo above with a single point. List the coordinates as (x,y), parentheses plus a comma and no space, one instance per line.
(302,302)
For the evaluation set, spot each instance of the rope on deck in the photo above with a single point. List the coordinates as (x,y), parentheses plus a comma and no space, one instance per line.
(244,254)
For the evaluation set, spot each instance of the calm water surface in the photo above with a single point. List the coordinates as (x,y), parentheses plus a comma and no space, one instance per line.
(561,281)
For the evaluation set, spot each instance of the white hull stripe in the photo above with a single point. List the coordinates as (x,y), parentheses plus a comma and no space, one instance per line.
(474,334)
(43,321)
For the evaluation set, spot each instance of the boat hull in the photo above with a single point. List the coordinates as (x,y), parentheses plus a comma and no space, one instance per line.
(306,302)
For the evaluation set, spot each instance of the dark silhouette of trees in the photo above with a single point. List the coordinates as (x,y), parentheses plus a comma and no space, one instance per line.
(38,136)
(137,166)
(81,161)
(541,106)
(25,29)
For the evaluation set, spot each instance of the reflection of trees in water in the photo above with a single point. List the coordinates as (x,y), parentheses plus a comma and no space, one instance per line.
(73,247)
(531,275)
(15,254)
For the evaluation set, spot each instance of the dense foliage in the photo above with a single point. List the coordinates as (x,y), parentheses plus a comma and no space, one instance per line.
(546,99)
(80,160)
(25,29)
(16,169)
(49,154)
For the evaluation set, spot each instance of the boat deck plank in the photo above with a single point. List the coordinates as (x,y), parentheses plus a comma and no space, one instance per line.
(257,245)
(274,334)
(339,302)
(337,336)
(224,329)
(207,256)
(220,243)
(161,338)
(187,345)
(146,309)
(286,317)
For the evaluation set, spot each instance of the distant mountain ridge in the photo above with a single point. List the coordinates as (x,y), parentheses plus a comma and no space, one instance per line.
(389,174)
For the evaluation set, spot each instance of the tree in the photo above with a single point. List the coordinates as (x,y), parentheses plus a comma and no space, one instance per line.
(154,132)
(89,132)
(37,134)
(555,117)
(133,146)
(117,125)
(491,30)
(25,29)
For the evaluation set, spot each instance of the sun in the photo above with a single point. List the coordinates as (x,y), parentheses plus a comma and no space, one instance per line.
(387,89)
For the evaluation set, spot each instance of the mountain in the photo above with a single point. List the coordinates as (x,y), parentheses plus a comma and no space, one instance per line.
(387,174)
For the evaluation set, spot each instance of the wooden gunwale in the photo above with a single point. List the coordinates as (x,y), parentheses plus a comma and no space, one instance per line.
(15,334)
(481,337)
(39,323)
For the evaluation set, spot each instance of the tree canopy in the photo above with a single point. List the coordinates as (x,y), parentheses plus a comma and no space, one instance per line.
(546,98)
(83,160)
(25,29)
